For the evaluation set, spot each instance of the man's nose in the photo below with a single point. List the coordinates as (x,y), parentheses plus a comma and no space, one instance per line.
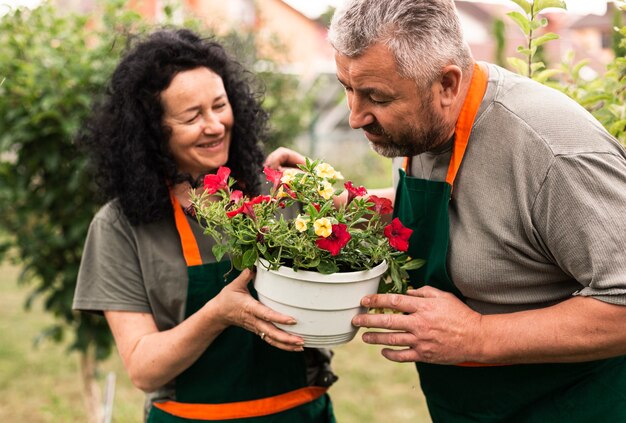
(360,116)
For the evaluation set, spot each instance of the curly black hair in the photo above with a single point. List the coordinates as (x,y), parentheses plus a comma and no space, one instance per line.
(127,143)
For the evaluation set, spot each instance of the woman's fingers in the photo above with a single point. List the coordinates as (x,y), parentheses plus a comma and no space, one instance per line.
(283,157)
(279,338)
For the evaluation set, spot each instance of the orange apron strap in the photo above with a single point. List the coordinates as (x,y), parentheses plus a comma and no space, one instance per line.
(464,123)
(187,239)
(406,164)
(242,409)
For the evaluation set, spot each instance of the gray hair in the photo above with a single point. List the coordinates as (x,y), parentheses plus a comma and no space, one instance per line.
(423,35)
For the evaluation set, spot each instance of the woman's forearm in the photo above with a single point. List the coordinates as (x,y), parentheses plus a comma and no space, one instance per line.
(153,358)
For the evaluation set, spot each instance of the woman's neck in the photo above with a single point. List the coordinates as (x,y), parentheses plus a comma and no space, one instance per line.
(181,192)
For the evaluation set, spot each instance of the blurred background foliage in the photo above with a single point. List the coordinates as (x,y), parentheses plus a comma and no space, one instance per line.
(53,65)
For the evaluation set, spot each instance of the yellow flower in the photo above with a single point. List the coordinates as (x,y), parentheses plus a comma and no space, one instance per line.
(288,176)
(324,170)
(338,175)
(281,193)
(323,227)
(326,190)
(301,223)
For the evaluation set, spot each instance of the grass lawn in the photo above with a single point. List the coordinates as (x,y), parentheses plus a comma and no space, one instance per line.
(42,384)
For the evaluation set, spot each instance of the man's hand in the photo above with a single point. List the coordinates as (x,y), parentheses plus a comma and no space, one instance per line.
(436,327)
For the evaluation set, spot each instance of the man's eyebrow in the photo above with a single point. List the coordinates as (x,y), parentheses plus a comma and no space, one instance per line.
(364,90)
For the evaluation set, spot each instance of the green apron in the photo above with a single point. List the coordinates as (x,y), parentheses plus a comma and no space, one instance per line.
(470,392)
(240,377)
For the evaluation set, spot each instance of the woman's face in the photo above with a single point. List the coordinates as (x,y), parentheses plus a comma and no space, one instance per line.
(197,110)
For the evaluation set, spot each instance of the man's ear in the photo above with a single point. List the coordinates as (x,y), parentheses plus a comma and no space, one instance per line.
(450,85)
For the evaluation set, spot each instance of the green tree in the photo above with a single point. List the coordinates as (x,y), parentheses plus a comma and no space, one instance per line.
(52,66)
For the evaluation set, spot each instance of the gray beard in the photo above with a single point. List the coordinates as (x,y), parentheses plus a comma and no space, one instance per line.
(415,142)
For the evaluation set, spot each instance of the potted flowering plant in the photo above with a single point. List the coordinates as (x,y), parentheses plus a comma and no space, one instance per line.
(350,241)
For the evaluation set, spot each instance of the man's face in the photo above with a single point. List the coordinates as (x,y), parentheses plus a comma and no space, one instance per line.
(397,117)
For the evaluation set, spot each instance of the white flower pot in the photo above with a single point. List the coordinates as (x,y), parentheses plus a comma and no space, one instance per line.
(323,305)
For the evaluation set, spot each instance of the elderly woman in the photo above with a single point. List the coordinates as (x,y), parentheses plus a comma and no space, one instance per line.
(202,348)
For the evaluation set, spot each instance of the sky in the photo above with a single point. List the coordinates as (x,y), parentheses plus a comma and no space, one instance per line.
(314,8)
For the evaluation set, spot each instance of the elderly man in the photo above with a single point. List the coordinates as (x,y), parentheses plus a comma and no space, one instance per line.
(517,198)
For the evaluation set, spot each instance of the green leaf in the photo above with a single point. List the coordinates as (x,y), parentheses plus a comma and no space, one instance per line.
(544,39)
(544,4)
(536,24)
(519,65)
(237,261)
(219,250)
(413,264)
(327,267)
(522,21)
(249,258)
(544,75)
(524,4)
(534,67)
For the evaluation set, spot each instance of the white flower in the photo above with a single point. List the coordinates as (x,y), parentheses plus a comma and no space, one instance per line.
(301,223)
(324,170)
(288,176)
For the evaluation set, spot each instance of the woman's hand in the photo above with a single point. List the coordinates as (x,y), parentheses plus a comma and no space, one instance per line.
(282,158)
(234,306)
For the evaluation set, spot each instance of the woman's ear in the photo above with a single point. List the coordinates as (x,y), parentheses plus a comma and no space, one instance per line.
(450,85)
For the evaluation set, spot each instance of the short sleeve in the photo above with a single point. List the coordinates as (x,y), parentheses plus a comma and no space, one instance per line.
(580,217)
(110,276)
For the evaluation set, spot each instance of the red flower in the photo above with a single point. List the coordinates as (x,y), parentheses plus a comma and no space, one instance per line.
(289,191)
(317,206)
(336,240)
(214,183)
(248,207)
(381,205)
(273,176)
(398,235)
(234,213)
(236,195)
(260,199)
(354,191)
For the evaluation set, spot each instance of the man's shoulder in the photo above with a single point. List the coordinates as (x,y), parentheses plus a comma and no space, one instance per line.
(545,115)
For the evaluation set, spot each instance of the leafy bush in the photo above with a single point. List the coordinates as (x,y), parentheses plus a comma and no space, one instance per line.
(51,68)
(604,97)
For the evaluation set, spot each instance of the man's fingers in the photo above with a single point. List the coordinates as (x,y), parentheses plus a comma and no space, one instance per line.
(400,356)
(394,339)
(399,302)
(397,322)
(426,292)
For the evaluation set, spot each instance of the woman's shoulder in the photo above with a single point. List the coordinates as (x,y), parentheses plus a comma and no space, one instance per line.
(111,215)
